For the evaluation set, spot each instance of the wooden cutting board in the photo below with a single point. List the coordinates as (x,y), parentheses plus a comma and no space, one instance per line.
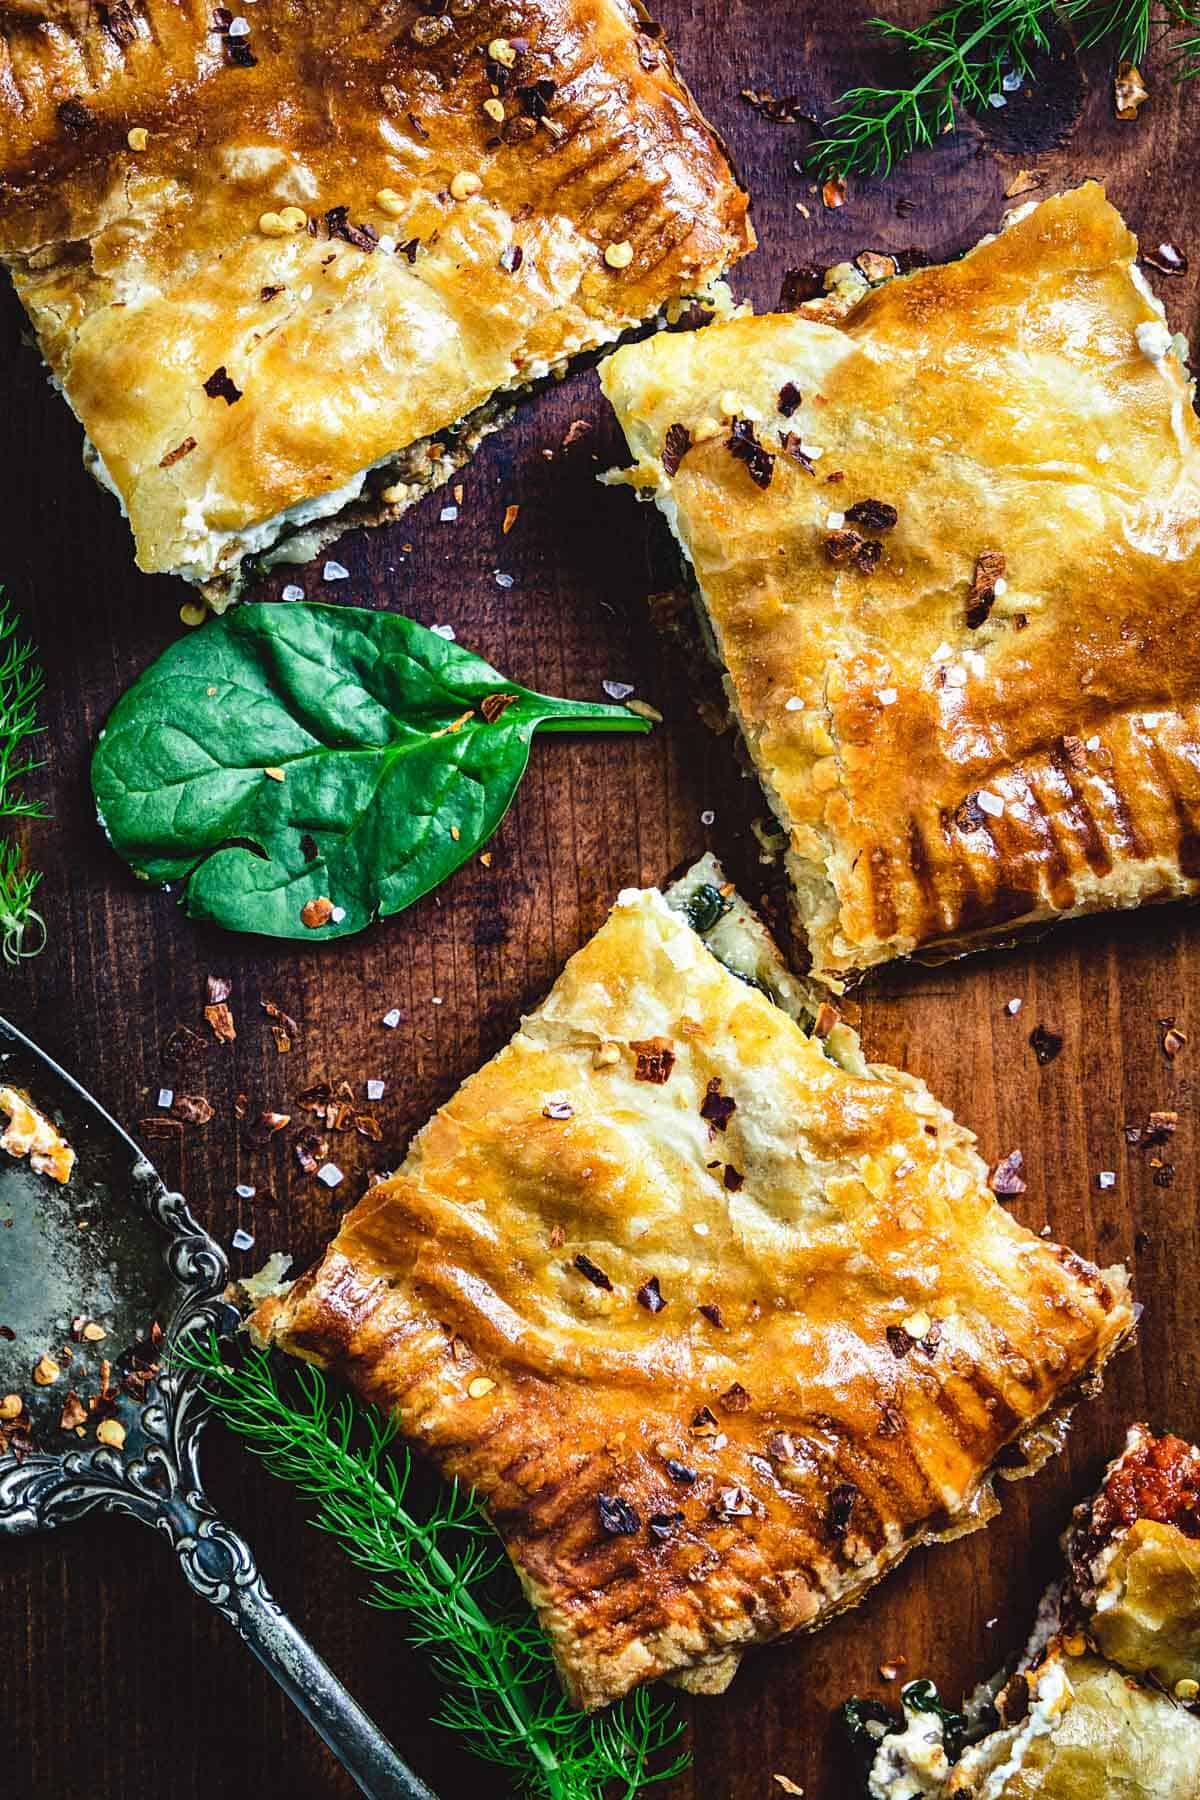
(115,1682)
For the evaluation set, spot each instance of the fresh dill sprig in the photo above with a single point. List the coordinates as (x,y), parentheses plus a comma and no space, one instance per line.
(21,683)
(962,57)
(447,1573)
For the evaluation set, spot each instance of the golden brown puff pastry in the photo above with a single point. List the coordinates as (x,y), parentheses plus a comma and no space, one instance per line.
(948,542)
(1071,1723)
(718,1327)
(283,263)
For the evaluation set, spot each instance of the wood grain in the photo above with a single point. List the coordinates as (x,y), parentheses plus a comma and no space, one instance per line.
(115,1682)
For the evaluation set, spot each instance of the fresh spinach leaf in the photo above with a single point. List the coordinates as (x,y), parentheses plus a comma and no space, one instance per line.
(285,759)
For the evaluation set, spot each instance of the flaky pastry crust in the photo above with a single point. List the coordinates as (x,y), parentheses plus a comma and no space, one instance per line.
(718,1329)
(143,144)
(960,606)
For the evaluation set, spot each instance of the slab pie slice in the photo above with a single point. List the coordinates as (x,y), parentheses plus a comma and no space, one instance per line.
(289,264)
(945,534)
(719,1320)
(1104,1703)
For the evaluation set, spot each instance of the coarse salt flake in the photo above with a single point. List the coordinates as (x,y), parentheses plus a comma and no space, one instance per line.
(375,1088)
(330,1174)
(943,653)
(242,1240)
(1107,1178)
(447,514)
(238,28)
(708,817)
(391,1018)
(443,631)
(1012,1007)
(887,696)
(795,704)
(834,521)
(501,579)
(338,914)
(166,1096)
(700,1228)
(292,592)
(336,571)
(1012,81)
(990,803)
(617,690)
(244,1191)
(1092,743)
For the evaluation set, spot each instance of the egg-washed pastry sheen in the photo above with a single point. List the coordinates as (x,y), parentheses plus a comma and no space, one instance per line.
(1105,1701)
(948,547)
(718,1320)
(286,265)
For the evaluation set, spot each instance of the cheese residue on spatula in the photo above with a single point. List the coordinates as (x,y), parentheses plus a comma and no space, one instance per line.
(30,1133)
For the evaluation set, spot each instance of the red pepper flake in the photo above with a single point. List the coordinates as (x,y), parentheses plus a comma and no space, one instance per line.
(267,1124)
(799,286)
(735,1398)
(743,444)
(617,1516)
(716,1107)
(704,1422)
(873,515)
(594,1273)
(269,293)
(989,568)
(75,118)
(650,1296)
(789,399)
(493,706)
(318,912)
(284,1027)
(368,1126)
(732,1503)
(1045,1044)
(221,1020)
(713,1314)
(309,1147)
(408,250)
(1173,1040)
(680,1472)
(339,225)
(663,1525)
(1159,1127)
(899,1342)
(779,109)
(193,1109)
(841,1506)
(833,192)
(792,446)
(120,22)
(732,1178)
(1168,259)
(178,453)
(968,814)
(843,547)
(221,386)
(1007,1176)
(655,1059)
(676,444)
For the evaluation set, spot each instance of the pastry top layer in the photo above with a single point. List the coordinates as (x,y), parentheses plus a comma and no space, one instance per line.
(148,275)
(717,1328)
(960,609)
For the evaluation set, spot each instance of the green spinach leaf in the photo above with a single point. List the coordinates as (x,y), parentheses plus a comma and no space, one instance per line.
(288,759)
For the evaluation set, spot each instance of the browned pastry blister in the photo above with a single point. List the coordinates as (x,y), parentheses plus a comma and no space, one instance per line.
(719,1327)
(287,265)
(946,534)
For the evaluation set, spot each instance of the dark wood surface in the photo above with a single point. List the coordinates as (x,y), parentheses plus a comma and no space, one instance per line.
(114,1681)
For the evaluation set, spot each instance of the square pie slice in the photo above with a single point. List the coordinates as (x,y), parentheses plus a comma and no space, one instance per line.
(946,537)
(1069,1723)
(288,267)
(717,1319)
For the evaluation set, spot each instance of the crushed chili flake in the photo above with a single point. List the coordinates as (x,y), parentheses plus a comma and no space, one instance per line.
(220,386)
(968,814)
(267,1124)
(873,515)
(617,1516)
(317,912)
(716,1107)
(841,1506)
(221,1020)
(732,1178)
(743,444)
(1007,1176)
(1173,1040)
(1045,1044)
(193,1109)
(1159,1127)
(594,1273)
(1168,259)
(704,1421)
(178,453)
(778,108)
(676,444)
(843,547)
(339,224)
(788,399)
(800,286)
(680,1472)
(368,1126)
(73,1413)
(792,446)
(899,1342)
(662,1525)
(989,570)
(309,1147)
(735,1398)
(493,706)
(833,192)
(75,118)
(712,1313)
(650,1295)
(655,1059)
(732,1503)
(511,258)
(1023,182)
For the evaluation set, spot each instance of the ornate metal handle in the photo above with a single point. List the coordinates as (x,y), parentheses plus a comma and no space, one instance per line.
(219,1566)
